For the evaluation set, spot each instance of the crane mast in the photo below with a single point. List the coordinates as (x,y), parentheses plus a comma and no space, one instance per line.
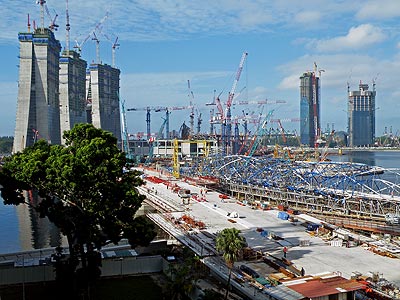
(41,3)
(228,119)
(97,47)
(114,47)
(191,96)
(67,28)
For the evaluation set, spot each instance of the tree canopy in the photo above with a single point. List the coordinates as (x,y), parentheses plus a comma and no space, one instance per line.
(83,189)
(230,243)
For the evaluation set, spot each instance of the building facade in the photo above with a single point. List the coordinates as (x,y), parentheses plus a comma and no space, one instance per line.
(72,91)
(38,112)
(310,127)
(102,94)
(361,116)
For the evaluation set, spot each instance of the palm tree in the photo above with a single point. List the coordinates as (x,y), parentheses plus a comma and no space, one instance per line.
(230,243)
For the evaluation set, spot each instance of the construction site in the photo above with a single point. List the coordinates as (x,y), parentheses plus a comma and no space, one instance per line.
(287,245)
(280,197)
(315,229)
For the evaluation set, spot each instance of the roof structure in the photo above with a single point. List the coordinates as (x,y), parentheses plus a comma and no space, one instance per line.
(316,286)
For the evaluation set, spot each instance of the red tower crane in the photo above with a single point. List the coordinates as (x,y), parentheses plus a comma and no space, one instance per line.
(227,123)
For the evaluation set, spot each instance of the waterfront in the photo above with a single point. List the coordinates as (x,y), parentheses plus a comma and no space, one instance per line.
(23,230)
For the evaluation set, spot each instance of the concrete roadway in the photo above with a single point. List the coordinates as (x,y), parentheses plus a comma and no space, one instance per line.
(318,257)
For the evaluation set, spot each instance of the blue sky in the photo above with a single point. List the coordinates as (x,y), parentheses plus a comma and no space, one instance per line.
(163,44)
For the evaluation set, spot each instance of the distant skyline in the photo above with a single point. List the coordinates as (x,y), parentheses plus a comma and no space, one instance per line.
(163,44)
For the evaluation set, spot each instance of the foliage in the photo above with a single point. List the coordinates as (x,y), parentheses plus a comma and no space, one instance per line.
(83,191)
(230,243)
(6,143)
(184,275)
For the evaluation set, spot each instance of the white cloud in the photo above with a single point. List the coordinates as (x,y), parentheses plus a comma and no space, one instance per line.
(377,10)
(357,38)
(143,20)
(308,17)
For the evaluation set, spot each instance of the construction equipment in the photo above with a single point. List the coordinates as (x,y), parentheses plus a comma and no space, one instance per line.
(114,46)
(125,141)
(159,109)
(67,28)
(78,45)
(227,120)
(191,98)
(260,102)
(229,103)
(53,26)
(259,134)
(152,141)
(94,38)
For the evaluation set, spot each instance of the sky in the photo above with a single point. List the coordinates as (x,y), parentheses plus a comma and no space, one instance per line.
(166,44)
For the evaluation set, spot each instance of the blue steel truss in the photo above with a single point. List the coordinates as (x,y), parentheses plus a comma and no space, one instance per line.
(321,177)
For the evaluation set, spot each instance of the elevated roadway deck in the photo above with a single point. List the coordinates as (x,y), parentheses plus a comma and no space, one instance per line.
(316,257)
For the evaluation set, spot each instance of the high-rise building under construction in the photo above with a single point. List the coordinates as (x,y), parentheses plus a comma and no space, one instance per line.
(102,90)
(310,108)
(72,90)
(38,112)
(361,116)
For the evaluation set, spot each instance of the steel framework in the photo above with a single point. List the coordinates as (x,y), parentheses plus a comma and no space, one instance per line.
(350,188)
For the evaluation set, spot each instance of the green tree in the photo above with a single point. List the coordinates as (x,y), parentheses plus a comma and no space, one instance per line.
(84,192)
(6,143)
(184,275)
(230,243)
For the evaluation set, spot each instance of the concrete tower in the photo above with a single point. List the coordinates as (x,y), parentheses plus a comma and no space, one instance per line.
(38,112)
(310,127)
(361,116)
(72,84)
(102,93)
(72,90)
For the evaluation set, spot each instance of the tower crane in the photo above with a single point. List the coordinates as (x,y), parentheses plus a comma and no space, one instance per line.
(78,45)
(167,110)
(199,121)
(114,46)
(67,28)
(125,141)
(43,7)
(53,26)
(228,120)
(261,130)
(260,102)
(94,38)
(191,98)
(152,142)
